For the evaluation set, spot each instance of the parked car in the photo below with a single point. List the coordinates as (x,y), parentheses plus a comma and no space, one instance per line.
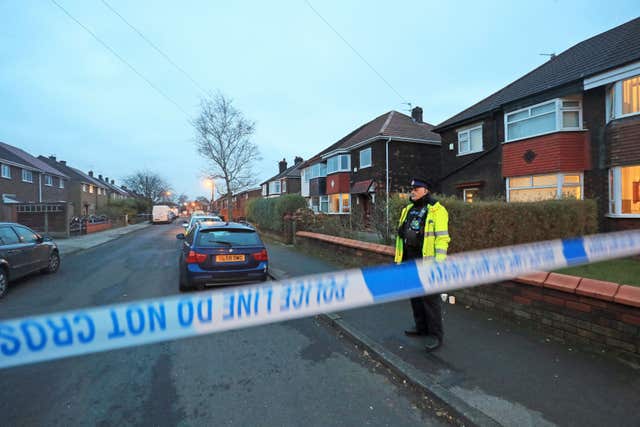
(199,218)
(23,251)
(162,213)
(215,253)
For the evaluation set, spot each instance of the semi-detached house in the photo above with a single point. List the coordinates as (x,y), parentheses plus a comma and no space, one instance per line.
(569,128)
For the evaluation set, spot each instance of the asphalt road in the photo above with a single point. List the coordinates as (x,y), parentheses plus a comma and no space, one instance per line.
(293,373)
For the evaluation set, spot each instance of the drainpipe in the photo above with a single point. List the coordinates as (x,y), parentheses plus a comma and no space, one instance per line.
(387,189)
(39,188)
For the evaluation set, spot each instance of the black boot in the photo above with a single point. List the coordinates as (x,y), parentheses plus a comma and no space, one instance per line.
(432,343)
(414,332)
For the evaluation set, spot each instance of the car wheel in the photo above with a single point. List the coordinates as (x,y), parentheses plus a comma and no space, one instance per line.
(4,282)
(184,284)
(54,263)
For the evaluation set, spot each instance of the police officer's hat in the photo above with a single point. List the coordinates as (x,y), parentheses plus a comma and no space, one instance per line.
(421,182)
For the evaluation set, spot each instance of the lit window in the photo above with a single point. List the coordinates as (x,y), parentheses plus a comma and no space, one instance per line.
(91,189)
(624,190)
(470,194)
(631,95)
(48,180)
(365,158)
(339,203)
(6,171)
(544,187)
(470,140)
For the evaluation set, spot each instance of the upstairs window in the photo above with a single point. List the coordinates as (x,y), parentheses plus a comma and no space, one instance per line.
(6,171)
(84,188)
(48,180)
(365,158)
(470,140)
(339,163)
(631,95)
(61,183)
(27,176)
(539,119)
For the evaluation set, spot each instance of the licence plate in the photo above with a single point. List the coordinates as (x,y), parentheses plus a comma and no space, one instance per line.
(229,258)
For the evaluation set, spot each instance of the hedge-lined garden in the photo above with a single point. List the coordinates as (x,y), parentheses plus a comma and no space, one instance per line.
(268,213)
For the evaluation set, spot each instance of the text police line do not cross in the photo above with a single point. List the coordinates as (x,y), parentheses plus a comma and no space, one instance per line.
(76,332)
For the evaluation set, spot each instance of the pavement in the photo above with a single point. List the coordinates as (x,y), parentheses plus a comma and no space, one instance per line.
(86,241)
(489,371)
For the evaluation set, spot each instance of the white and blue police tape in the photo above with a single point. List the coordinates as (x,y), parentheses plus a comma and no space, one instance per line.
(76,332)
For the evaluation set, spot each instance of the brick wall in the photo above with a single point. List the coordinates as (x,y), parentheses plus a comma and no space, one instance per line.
(585,312)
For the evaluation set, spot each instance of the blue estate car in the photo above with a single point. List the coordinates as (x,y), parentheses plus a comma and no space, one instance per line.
(215,253)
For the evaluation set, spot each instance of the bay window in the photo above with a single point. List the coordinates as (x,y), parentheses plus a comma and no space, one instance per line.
(339,163)
(547,117)
(339,203)
(545,187)
(623,98)
(274,187)
(624,190)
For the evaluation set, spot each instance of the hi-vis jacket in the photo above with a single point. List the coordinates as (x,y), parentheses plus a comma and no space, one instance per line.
(436,233)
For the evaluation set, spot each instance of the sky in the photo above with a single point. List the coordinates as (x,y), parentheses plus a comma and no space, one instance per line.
(305,85)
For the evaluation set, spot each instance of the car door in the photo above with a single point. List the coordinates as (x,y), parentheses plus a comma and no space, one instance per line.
(13,251)
(36,253)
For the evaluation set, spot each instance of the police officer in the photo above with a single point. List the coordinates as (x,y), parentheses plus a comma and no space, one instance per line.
(423,232)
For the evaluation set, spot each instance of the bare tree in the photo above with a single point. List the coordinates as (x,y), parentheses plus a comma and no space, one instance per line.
(223,139)
(149,185)
(182,199)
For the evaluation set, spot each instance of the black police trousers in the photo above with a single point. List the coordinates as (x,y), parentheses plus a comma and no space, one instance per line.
(427,313)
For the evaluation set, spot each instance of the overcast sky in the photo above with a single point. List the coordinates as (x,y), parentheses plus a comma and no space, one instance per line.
(63,93)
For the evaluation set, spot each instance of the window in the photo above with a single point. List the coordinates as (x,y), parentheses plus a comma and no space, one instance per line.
(324,204)
(339,163)
(470,194)
(48,180)
(84,188)
(284,185)
(556,115)
(470,140)
(274,187)
(91,189)
(631,95)
(27,176)
(339,203)
(544,187)
(8,236)
(365,158)
(318,170)
(221,238)
(6,171)
(264,189)
(624,190)
(61,183)
(26,235)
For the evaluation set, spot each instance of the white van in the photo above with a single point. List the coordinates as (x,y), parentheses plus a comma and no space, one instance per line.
(161,213)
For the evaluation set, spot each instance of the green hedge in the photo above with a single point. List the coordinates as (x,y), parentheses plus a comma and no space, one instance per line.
(268,213)
(482,225)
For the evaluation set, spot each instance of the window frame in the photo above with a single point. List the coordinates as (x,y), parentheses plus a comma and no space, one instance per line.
(613,100)
(48,180)
(559,118)
(360,153)
(7,168)
(341,205)
(464,193)
(615,193)
(559,185)
(61,183)
(24,172)
(338,158)
(273,185)
(467,131)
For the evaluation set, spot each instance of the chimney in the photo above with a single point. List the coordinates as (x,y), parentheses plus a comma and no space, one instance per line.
(282,165)
(416,114)
(297,160)
(91,174)
(63,162)
(52,158)
(100,177)
(106,179)
(113,182)
(124,187)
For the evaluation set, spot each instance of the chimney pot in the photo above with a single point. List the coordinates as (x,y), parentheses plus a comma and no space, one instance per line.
(52,158)
(282,165)
(297,160)
(91,174)
(416,114)
(113,182)
(63,162)
(100,177)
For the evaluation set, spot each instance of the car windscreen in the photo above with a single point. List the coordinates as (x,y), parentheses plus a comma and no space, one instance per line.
(227,237)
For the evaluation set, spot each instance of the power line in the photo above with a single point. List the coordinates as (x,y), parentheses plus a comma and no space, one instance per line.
(356,52)
(106,46)
(156,48)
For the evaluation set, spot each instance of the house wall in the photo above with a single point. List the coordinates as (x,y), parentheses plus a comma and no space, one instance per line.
(24,191)
(318,186)
(293,185)
(338,183)
(484,168)
(55,193)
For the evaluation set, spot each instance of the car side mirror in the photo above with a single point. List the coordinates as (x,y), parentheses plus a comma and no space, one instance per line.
(39,239)
(180,236)
(48,239)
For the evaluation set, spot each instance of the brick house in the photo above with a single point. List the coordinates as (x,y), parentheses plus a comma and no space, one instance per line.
(378,157)
(287,181)
(87,193)
(569,128)
(240,201)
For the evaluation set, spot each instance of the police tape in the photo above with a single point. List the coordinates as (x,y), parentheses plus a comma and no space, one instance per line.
(77,332)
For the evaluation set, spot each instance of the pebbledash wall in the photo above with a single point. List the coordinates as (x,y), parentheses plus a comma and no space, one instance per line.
(591,313)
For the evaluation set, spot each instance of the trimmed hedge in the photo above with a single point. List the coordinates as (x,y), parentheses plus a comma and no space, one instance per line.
(481,225)
(268,213)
